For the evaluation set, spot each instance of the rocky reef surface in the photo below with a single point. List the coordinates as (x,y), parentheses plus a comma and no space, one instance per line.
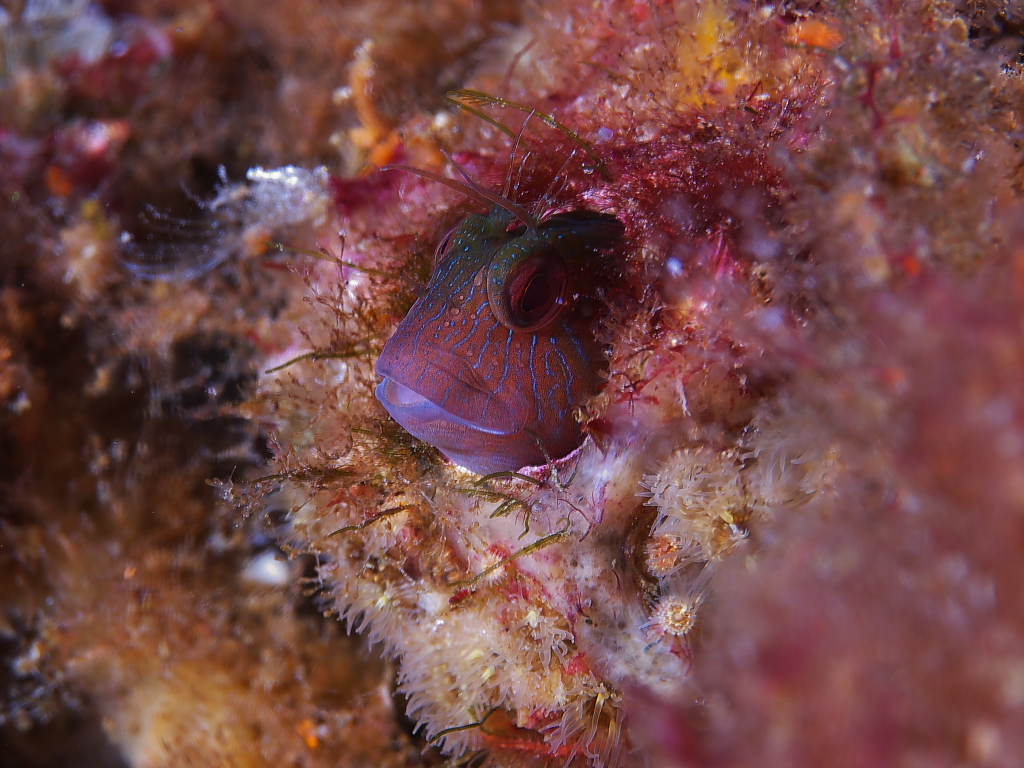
(792,535)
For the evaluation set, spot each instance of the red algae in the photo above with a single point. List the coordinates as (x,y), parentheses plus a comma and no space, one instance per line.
(791,534)
(903,593)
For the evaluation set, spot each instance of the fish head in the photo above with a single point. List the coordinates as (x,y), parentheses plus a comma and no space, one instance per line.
(493,360)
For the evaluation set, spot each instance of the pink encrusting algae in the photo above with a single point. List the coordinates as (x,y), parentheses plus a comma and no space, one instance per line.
(789,535)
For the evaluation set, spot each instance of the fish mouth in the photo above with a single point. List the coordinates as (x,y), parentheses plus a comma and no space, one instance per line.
(435,394)
(479,450)
(417,413)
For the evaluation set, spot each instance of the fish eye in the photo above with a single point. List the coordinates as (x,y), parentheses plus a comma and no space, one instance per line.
(533,294)
(446,242)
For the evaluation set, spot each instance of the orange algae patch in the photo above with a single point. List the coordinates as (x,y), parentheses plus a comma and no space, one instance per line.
(815,34)
(57,182)
(374,135)
(706,65)
(307,730)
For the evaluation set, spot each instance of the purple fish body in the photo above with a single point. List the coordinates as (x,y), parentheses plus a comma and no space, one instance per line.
(492,361)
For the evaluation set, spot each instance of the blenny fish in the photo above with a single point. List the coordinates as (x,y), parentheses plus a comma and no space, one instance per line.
(493,359)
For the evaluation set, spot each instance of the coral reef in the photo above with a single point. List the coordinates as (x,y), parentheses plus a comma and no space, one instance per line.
(792,532)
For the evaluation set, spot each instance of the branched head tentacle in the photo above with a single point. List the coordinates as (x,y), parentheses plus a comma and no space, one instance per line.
(466,97)
(559,180)
(506,192)
(473,190)
(482,115)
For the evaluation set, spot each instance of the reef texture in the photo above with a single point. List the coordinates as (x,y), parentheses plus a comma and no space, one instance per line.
(793,533)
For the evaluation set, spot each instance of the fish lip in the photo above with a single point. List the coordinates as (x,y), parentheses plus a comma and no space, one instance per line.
(425,410)
(417,392)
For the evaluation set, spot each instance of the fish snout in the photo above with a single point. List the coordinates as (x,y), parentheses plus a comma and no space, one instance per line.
(431,386)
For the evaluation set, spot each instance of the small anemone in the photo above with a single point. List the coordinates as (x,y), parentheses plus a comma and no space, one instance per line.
(379,609)
(539,634)
(676,613)
(704,506)
(591,728)
(707,498)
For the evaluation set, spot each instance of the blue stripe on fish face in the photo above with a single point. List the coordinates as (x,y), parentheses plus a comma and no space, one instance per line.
(467,371)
